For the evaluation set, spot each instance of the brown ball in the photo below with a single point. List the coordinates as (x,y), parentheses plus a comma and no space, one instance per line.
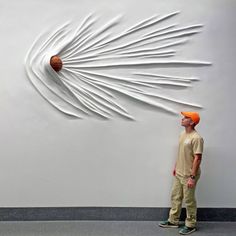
(56,63)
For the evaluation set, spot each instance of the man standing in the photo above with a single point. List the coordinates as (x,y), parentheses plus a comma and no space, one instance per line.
(186,173)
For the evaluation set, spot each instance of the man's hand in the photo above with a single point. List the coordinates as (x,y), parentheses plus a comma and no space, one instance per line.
(191,183)
(174,172)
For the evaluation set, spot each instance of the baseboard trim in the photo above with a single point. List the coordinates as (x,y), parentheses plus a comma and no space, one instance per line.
(108,214)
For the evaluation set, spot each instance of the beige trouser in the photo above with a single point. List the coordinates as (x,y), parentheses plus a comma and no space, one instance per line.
(180,192)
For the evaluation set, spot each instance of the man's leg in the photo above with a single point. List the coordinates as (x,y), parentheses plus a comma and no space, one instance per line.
(176,201)
(191,205)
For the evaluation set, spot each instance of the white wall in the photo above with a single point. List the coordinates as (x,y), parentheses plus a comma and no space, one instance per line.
(48,159)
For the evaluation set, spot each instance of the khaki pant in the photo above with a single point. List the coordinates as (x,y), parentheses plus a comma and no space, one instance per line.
(180,192)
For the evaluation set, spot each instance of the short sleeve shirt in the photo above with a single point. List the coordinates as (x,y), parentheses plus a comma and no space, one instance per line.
(189,145)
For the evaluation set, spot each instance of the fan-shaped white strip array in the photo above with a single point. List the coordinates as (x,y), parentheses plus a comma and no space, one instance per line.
(91,57)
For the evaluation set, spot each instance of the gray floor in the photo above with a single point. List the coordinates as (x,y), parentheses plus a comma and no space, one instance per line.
(108,228)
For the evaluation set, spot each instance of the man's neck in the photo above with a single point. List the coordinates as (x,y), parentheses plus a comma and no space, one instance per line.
(189,129)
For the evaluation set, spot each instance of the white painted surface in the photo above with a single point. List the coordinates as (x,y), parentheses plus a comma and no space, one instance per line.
(48,159)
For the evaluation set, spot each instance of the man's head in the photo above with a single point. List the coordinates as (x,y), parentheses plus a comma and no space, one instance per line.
(190,118)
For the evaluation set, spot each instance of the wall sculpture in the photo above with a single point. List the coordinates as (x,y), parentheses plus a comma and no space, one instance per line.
(75,69)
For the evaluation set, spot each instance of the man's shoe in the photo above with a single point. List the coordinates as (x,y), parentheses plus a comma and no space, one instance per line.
(187,230)
(167,224)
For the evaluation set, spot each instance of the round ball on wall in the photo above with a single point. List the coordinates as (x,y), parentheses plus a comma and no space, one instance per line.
(56,63)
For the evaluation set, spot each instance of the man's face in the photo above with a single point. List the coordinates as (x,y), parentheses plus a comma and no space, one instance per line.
(186,121)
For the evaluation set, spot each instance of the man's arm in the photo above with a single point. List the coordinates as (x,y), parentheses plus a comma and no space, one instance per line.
(196,163)
(195,167)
